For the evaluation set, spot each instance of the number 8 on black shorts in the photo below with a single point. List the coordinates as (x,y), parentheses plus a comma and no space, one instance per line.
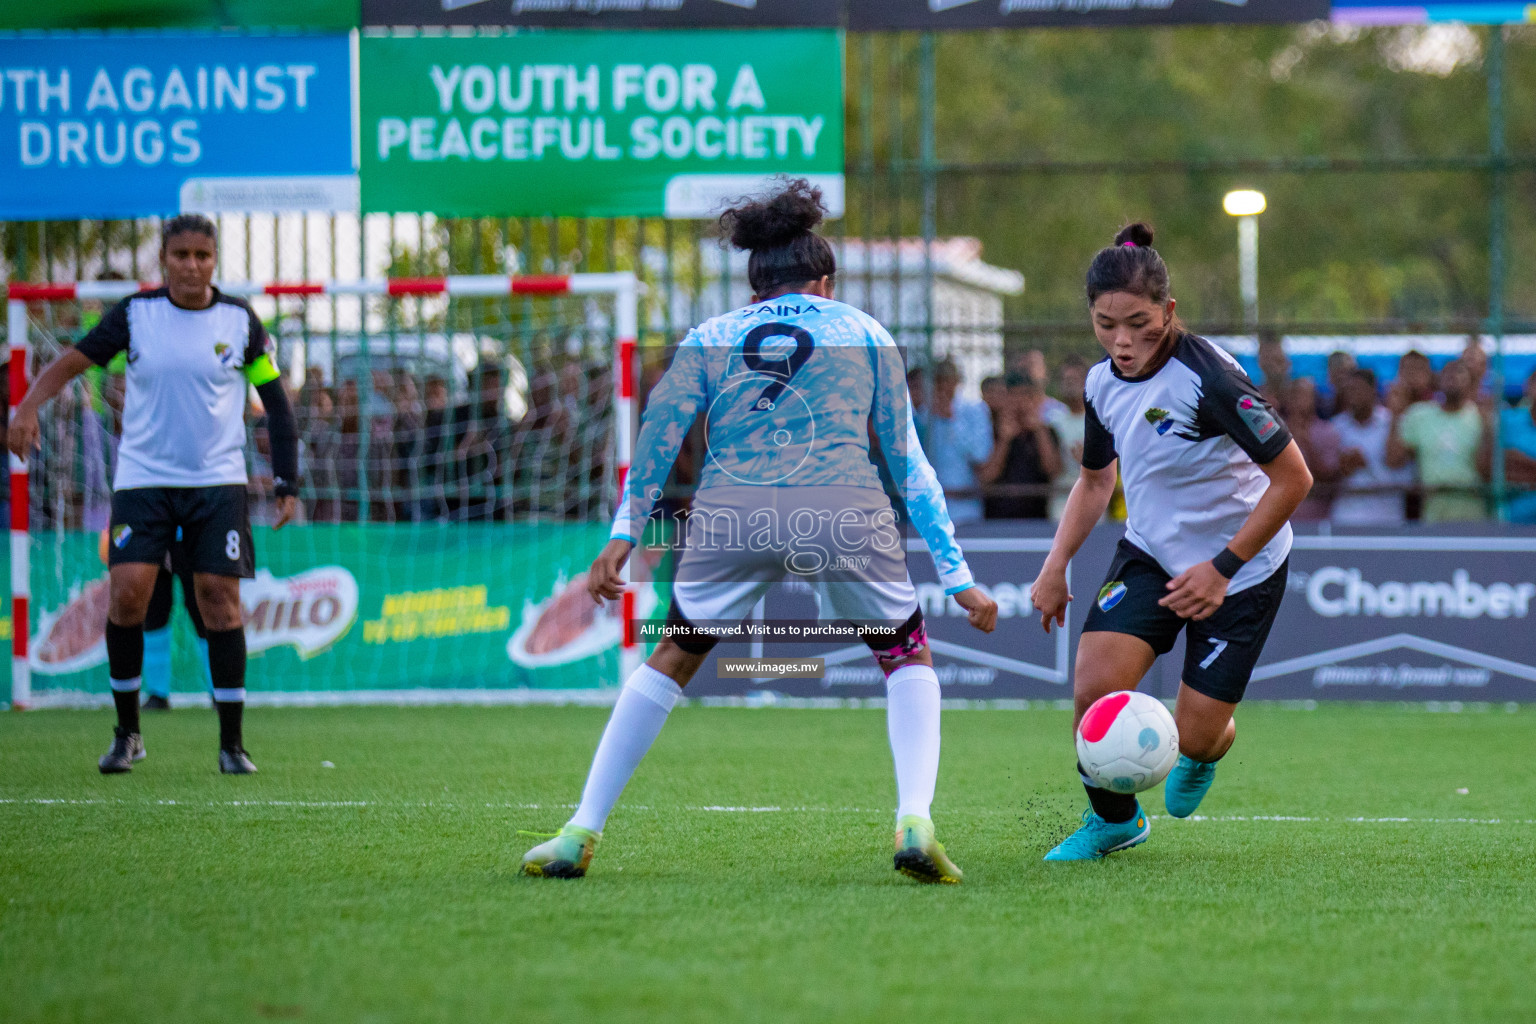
(215,528)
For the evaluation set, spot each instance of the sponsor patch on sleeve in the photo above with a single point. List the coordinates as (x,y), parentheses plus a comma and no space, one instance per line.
(1258,416)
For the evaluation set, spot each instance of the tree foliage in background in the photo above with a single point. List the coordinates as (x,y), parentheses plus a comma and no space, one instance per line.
(1339,247)
(1352,249)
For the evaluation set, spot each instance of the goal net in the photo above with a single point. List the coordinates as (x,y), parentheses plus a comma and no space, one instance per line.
(459,460)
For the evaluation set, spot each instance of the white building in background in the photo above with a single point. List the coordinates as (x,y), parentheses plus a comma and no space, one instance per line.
(886,279)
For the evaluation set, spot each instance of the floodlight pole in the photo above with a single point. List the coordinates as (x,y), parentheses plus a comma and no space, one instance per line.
(1248,267)
(1498,160)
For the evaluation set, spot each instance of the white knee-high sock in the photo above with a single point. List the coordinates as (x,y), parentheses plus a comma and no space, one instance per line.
(638,715)
(912,719)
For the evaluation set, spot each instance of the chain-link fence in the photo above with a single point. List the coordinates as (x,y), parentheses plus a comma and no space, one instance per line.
(984,170)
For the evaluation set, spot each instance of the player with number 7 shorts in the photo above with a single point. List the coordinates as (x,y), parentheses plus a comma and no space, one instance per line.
(789,387)
(1212,478)
(192,353)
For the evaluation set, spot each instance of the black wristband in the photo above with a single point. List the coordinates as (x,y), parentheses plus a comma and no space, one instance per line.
(284,488)
(1228,563)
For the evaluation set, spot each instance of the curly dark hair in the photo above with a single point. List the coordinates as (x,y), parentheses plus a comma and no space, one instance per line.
(779,232)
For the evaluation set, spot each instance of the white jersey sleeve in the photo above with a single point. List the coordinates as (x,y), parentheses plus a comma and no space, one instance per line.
(910,468)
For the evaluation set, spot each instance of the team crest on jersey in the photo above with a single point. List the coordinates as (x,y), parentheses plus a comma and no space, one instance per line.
(1110,595)
(1160,418)
(224,352)
(1258,416)
(120,536)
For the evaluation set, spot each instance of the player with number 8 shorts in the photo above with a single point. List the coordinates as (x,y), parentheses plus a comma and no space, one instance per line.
(790,387)
(1211,479)
(192,354)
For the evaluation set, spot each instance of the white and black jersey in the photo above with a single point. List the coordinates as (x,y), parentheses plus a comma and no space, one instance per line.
(1190,439)
(184,411)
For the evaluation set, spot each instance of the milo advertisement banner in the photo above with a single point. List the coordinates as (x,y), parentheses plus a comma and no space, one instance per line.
(596,124)
(364,613)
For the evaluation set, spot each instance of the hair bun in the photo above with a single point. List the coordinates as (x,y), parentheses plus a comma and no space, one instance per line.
(1138,234)
(777,219)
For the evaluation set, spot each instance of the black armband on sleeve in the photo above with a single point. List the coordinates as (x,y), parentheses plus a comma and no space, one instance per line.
(283,433)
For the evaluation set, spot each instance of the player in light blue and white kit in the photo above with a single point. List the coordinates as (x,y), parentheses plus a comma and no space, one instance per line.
(790,387)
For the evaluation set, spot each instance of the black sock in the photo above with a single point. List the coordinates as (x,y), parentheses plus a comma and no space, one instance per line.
(127,704)
(231,717)
(125,663)
(1112,807)
(226,665)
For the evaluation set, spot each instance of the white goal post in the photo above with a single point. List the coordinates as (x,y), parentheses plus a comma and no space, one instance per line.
(623,287)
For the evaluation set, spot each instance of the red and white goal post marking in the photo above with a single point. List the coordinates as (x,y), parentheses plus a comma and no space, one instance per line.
(624,287)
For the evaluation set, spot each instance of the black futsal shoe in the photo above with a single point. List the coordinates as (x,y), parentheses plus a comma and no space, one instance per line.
(236,762)
(127,747)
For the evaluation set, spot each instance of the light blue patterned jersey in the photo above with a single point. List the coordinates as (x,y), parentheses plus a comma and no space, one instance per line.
(789,388)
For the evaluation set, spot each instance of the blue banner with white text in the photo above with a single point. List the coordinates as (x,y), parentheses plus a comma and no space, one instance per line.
(158,123)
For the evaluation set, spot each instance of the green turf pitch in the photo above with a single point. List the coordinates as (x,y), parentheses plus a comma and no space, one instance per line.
(385,888)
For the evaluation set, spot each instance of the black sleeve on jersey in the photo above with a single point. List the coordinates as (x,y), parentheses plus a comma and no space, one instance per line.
(107,338)
(256,338)
(283,432)
(1231,405)
(1098,442)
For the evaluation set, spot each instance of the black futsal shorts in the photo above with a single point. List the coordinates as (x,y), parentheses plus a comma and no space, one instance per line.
(1220,652)
(215,527)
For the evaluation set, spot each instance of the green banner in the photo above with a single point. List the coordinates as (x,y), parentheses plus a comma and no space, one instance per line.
(363,612)
(312,14)
(597,123)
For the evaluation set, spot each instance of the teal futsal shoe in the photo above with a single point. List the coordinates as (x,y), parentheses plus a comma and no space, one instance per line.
(566,854)
(1098,837)
(1187,785)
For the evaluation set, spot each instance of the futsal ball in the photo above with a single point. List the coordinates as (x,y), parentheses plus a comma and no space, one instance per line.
(1127,742)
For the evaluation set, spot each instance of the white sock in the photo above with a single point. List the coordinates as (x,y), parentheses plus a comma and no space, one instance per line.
(912,719)
(638,715)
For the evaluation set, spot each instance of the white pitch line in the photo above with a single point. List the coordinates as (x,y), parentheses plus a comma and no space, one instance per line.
(706,808)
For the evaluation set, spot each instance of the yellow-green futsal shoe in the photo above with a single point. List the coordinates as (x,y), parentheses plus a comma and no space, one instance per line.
(564,855)
(920,856)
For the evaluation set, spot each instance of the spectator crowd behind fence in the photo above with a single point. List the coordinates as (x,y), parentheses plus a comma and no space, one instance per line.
(520,439)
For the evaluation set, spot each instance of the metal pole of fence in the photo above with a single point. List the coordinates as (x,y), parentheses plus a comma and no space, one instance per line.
(926,98)
(1497,234)
(867,164)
